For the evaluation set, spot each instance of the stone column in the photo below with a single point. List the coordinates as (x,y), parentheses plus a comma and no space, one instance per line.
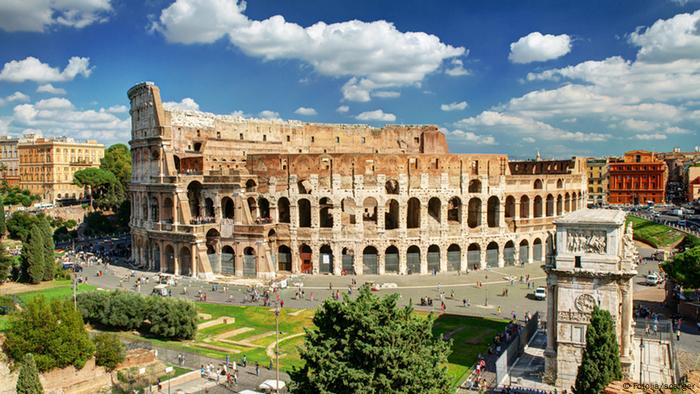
(482,256)
(337,256)
(443,258)
(176,261)
(484,215)
(516,254)
(403,267)
(380,217)
(626,334)
(501,255)
(381,263)
(424,259)
(502,214)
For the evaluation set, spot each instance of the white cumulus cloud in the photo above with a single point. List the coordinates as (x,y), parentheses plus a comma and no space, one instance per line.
(267,114)
(386,94)
(343,109)
(375,55)
(472,137)
(376,116)
(186,104)
(305,111)
(456,69)
(538,47)
(37,15)
(456,106)
(650,137)
(32,69)
(14,98)
(50,89)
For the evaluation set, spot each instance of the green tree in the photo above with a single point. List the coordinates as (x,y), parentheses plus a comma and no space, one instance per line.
(28,381)
(105,190)
(50,266)
(171,318)
(600,364)
(109,350)
(370,345)
(32,258)
(117,160)
(14,195)
(3,225)
(684,268)
(20,223)
(6,264)
(52,331)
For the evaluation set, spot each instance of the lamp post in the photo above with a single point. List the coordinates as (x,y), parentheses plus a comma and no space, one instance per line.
(641,358)
(486,296)
(277,348)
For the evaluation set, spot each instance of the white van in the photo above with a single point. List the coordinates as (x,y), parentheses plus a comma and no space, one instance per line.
(652,279)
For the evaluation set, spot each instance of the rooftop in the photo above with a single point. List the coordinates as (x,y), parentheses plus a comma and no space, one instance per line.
(593,216)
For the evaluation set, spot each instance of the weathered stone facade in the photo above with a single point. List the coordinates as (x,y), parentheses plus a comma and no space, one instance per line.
(249,197)
(594,266)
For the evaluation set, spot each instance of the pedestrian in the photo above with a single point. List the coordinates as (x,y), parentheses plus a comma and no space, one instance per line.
(244,361)
(442,306)
(159,384)
(678,334)
(281,303)
(269,366)
(498,309)
(257,368)
(515,316)
(464,302)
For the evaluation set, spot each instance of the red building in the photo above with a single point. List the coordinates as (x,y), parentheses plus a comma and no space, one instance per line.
(638,178)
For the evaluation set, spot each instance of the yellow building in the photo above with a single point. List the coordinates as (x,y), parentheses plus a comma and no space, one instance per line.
(597,171)
(46,166)
(9,160)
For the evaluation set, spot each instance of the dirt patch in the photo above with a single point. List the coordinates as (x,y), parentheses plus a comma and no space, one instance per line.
(232,333)
(296,313)
(216,322)
(259,336)
(218,348)
(203,316)
(14,287)
(270,350)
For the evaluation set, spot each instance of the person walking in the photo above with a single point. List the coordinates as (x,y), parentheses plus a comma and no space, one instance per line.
(257,368)
(678,333)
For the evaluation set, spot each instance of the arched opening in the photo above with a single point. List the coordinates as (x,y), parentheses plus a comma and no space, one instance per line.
(347,208)
(524,252)
(391,260)
(156,257)
(538,207)
(168,210)
(250,268)
(212,238)
(567,202)
(510,207)
(284,258)
(369,261)
(155,216)
(391,186)
(538,184)
(253,208)
(185,261)
(454,211)
(560,205)
(305,255)
(283,210)
(169,259)
(228,261)
(326,212)
(194,193)
(550,205)
(369,215)
(227,208)
(177,164)
(574,201)
(454,257)
(509,254)
(304,207)
(537,249)
(325,265)
(413,259)
(413,213)
(433,259)
(549,246)
(474,186)
(264,209)
(474,213)
(492,255)
(208,208)
(348,263)
(391,215)
(524,207)
(304,187)
(493,211)
(434,206)
(560,184)
(250,186)
(474,256)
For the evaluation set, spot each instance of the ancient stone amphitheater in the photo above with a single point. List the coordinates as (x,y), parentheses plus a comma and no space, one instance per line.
(224,195)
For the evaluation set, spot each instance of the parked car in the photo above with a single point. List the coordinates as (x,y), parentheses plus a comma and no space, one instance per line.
(652,279)
(540,293)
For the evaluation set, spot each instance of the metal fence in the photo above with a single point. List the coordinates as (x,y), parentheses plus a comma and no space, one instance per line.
(661,330)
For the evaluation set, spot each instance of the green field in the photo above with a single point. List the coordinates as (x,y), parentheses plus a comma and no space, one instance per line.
(654,234)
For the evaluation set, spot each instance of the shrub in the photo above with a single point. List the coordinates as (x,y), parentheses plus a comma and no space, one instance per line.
(28,381)
(109,351)
(53,332)
(171,318)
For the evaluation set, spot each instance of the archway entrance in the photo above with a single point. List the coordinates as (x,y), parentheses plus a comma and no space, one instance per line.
(369,261)
(305,255)
(249,262)
(325,261)
(228,261)
(434,259)
(185,261)
(537,250)
(169,259)
(454,257)
(391,260)
(348,263)
(284,258)
(492,255)
(474,256)
(413,259)
(524,251)
(509,254)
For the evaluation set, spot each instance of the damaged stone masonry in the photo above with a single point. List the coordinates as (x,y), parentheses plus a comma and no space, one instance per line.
(224,195)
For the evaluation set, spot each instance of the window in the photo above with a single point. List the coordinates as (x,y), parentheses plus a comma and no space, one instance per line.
(218,135)
(577,262)
(577,334)
(337,140)
(264,137)
(313,139)
(416,140)
(363,140)
(240,136)
(288,139)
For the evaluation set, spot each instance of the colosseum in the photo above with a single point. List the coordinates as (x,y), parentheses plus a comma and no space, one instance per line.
(224,195)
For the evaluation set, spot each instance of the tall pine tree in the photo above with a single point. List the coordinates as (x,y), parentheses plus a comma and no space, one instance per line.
(6,262)
(32,257)
(28,381)
(49,246)
(600,364)
(3,225)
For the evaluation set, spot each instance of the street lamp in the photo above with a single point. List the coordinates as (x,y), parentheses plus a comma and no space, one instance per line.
(277,347)
(486,296)
(641,358)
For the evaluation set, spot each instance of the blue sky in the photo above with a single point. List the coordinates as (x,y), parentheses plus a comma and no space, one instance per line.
(566,78)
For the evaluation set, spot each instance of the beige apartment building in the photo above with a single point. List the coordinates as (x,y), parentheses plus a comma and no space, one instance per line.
(46,166)
(597,171)
(9,160)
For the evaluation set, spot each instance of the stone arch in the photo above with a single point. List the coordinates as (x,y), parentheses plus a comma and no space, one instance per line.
(370,261)
(493,209)
(212,241)
(325,212)
(391,186)
(537,207)
(492,254)
(550,205)
(325,259)
(370,210)
(537,249)
(284,258)
(474,186)
(185,261)
(413,259)
(474,213)
(567,202)
(524,251)
(524,207)
(250,266)
(413,213)
(537,185)
(433,258)
(253,208)
(208,207)
(347,208)
(454,257)
(227,208)
(434,208)
(509,253)
(250,185)
(306,255)
(474,256)
(560,205)
(169,259)
(155,215)
(510,207)
(304,207)
(348,261)
(391,260)
(391,215)
(194,193)
(264,208)
(167,215)
(228,260)
(560,183)
(454,210)
(283,212)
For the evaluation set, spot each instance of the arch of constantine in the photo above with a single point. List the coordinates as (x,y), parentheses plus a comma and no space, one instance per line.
(216,194)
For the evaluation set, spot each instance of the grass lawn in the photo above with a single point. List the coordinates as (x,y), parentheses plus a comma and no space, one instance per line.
(654,234)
